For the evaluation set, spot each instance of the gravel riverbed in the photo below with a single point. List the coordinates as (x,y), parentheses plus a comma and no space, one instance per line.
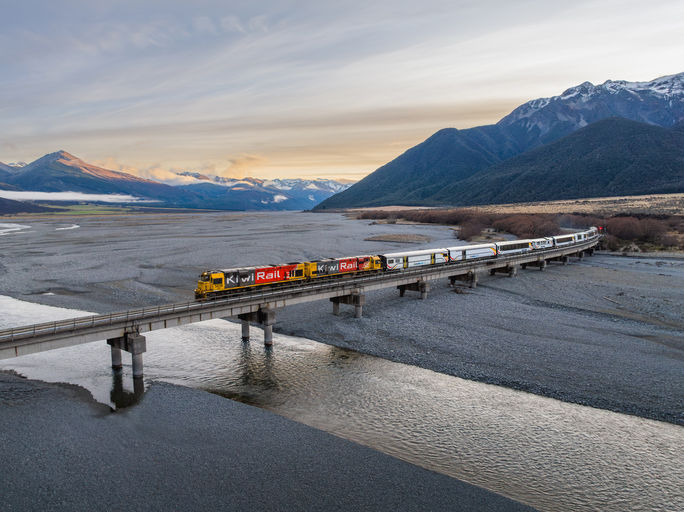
(181,448)
(606,332)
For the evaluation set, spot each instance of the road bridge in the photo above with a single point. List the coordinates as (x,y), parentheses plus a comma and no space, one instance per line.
(124,330)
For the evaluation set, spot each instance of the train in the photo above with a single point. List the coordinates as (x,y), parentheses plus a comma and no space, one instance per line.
(214,284)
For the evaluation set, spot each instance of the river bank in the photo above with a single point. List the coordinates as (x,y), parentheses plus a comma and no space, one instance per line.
(183,449)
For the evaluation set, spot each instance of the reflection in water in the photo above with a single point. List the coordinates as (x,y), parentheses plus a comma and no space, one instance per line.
(255,371)
(548,454)
(122,398)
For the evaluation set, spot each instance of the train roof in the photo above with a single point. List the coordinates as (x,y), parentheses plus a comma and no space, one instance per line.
(471,246)
(412,253)
(510,242)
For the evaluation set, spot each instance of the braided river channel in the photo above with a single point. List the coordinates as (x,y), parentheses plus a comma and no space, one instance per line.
(549,454)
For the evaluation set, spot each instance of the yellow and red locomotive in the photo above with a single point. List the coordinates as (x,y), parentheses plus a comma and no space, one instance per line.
(215,283)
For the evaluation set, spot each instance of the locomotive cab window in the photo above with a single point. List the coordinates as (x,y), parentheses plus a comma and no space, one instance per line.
(217,280)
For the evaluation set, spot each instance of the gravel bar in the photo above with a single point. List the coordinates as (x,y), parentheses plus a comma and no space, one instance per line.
(184,449)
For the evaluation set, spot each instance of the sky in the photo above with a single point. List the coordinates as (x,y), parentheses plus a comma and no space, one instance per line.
(281,89)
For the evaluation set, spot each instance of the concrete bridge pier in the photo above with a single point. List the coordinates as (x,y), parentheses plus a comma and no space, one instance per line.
(245,320)
(264,316)
(117,363)
(356,299)
(563,259)
(133,343)
(358,306)
(267,319)
(590,251)
(580,255)
(470,278)
(541,264)
(245,330)
(511,270)
(420,286)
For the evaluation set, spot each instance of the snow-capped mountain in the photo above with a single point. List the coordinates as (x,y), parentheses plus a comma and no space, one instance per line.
(432,172)
(320,185)
(255,193)
(10,168)
(658,102)
(63,172)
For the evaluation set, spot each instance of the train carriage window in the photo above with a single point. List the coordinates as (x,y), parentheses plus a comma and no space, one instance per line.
(299,273)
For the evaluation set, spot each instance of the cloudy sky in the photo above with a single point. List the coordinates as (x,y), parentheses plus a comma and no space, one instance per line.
(272,88)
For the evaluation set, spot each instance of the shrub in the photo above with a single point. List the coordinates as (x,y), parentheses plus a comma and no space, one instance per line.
(627,228)
(471,228)
(527,226)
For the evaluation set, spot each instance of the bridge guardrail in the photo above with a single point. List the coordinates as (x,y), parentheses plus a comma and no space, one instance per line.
(72,324)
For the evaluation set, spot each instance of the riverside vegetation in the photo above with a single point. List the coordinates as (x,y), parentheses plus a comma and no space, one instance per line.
(643,232)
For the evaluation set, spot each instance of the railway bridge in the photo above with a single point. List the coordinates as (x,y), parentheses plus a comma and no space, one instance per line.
(124,331)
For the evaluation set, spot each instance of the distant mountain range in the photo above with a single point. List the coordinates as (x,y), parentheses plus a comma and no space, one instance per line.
(63,172)
(477,165)
(277,194)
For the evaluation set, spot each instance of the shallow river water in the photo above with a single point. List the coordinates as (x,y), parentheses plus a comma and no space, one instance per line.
(549,454)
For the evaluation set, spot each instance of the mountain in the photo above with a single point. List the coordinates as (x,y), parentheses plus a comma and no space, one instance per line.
(419,176)
(412,178)
(612,157)
(9,206)
(258,194)
(63,172)
(6,170)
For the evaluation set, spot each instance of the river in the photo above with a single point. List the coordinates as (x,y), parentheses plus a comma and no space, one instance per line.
(549,454)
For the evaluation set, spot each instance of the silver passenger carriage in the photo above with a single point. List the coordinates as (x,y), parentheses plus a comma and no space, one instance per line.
(469,252)
(513,247)
(562,240)
(541,243)
(411,259)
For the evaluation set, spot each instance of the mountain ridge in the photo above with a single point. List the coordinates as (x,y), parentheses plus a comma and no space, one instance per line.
(61,171)
(612,157)
(417,176)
